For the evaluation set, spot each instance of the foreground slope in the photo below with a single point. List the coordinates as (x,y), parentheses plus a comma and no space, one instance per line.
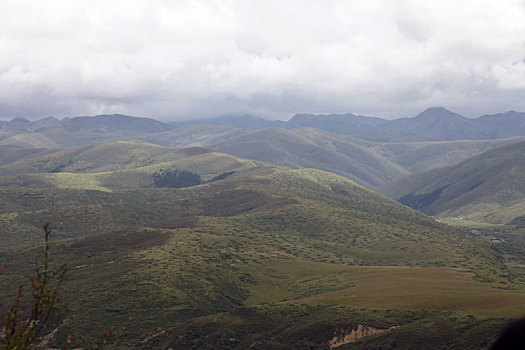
(209,287)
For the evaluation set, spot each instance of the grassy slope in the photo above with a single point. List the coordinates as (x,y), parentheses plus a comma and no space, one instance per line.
(513,214)
(187,259)
(112,156)
(202,283)
(303,327)
(31,140)
(301,204)
(206,287)
(11,153)
(421,156)
(477,188)
(59,137)
(368,163)
(354,224)
(311,148)
(196,135)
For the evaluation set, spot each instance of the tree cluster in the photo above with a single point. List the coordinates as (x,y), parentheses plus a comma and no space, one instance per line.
(176,178)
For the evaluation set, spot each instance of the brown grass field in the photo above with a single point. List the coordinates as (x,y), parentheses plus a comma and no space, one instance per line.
(389,287)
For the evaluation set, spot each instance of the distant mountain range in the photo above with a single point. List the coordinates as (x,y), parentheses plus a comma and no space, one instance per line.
(434,124)
(101,123)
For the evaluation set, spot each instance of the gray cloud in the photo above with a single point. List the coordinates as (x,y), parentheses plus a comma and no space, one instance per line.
(192,59)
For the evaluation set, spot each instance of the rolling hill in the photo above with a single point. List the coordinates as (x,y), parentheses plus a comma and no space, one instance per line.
(119,188)
(265,255)
(123,171)
(311,148)
(476,188)
(11,153)
(368,163)
(244,121)
(117,155)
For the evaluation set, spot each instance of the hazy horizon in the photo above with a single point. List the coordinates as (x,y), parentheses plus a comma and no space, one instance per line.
(251,115)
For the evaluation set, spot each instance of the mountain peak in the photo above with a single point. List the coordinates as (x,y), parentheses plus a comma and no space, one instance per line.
(19,121)
(438,113)
(514,114)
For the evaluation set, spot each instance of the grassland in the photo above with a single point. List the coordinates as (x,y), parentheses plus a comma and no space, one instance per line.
(368,163)
(488,188)
(269,256)
(415,288)
(207,287)
(204,286)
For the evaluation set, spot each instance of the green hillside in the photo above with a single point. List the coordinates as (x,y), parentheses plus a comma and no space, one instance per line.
(264,255)
(11,153)
(368,163)
(310,148)
(489,187)
(417,157)
(195,135)
(111,156)
(513,214)
(309,202)
(212,287)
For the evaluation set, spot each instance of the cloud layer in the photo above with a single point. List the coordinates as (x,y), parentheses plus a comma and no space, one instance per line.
(189,59)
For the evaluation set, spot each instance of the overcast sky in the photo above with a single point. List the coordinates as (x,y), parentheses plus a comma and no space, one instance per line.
(175,60)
